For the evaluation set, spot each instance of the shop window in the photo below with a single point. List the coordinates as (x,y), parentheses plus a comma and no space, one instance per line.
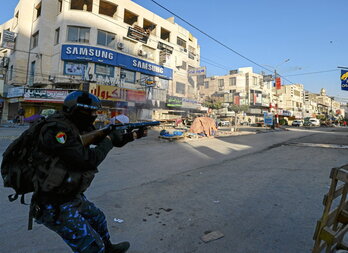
(128,76)
(107,8)
(149,27)
(165,34)
(181,42)
(180,88)
(78,34)
(146,79)
(104,70)
(106,39)
(130,18)
(83,5)
(74,68)
(38,10)
(163,84)
(35,40)
(56,36)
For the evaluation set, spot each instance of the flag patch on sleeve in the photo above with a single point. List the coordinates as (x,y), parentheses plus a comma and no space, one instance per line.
(61,137)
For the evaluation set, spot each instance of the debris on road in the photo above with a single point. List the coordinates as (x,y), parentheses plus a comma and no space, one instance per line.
(211,236)
(118,220)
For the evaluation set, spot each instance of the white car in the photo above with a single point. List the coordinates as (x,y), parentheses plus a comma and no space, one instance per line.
(297,123)
(314,122)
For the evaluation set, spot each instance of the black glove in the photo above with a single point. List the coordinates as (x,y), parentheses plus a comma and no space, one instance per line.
(142,132)
(120,138)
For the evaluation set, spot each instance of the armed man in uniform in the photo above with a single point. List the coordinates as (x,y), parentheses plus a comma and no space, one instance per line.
(60,203)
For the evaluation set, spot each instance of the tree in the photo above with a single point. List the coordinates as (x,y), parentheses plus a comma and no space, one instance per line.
(237,109)
(213,103)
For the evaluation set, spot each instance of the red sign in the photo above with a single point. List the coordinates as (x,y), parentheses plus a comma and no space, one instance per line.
(136,95)
(278,83)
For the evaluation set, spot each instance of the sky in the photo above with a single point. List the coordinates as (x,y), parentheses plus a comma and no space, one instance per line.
(263,34)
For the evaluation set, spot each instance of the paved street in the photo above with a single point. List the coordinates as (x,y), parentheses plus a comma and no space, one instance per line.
(262,191)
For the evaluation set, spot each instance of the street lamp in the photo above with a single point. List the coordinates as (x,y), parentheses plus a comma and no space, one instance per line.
(275,78)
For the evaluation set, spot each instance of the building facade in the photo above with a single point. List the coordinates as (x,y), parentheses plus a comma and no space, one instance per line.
(123,53)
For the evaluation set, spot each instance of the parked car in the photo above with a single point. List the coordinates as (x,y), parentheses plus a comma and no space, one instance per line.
(297,123)
(224,123)
(312,122)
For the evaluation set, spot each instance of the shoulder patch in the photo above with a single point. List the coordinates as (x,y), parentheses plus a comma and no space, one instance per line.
(61,137)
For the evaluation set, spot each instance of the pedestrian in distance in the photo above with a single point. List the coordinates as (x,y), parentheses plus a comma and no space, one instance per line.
(21,114)
(60,203)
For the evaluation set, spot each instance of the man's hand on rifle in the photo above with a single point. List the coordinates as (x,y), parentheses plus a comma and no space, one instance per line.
(119,138)
(142,132)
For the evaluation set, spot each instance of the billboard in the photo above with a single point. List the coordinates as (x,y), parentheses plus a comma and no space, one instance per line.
(197,71)
(344,79)
(8,40)
(278,83)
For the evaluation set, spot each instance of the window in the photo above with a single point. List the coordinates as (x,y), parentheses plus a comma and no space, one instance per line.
(149,27)
(106,39)
(56,36)
(104,70)
(85,5)
(107,8)
(146,78)
(78,34)
(254,80)
(163,84)
(181,42)
(165,34)
(74,68)
(60,5)
(221,82)
(128,76)
(233,81)
(38,10)
(180,88)
(206,85)
(130,18)
(35,40)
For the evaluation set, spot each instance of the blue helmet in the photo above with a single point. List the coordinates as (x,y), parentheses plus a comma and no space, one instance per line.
(81,100)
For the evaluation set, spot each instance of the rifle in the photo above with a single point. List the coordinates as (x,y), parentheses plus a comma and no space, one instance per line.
(97,135)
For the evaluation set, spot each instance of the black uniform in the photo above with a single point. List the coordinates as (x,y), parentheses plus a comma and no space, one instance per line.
(65,209)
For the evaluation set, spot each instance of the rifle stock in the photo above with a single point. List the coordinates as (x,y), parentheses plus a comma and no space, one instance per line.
(97,135)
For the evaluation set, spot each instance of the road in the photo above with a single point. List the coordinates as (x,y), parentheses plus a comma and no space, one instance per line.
(262,191)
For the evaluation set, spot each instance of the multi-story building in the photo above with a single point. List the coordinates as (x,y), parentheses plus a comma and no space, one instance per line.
(291,100)
(310,105)
(241,87)
(123,53)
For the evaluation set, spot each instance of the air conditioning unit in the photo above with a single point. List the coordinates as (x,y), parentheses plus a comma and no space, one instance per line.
(142,53)
(120,45)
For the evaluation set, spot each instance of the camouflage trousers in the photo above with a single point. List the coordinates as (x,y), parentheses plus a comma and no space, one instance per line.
(79,222)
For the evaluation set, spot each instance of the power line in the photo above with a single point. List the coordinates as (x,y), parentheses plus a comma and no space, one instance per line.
(217,41)
(316,72)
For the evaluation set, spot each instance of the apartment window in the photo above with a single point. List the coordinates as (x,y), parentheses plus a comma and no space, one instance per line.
(180,88)
(128,76)
(130,18)
(233,81)
(106,39)
(221,82)
(60,5)
(56,36)
(104,70)
(254,80)
(78,34)
(149,27)
(181,42)
(107,8)
(35,40)
(206,85)
(165,34)
(38,10)
(85,5)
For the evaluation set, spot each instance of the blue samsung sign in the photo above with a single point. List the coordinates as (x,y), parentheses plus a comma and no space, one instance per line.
(344,79)
(104,56)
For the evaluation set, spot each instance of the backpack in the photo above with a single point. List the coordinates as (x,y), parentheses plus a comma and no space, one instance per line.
(18,163)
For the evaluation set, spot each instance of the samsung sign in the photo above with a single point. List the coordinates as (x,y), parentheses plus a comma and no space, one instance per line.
(105,56)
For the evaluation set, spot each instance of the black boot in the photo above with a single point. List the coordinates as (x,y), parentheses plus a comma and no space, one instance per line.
(121,247)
